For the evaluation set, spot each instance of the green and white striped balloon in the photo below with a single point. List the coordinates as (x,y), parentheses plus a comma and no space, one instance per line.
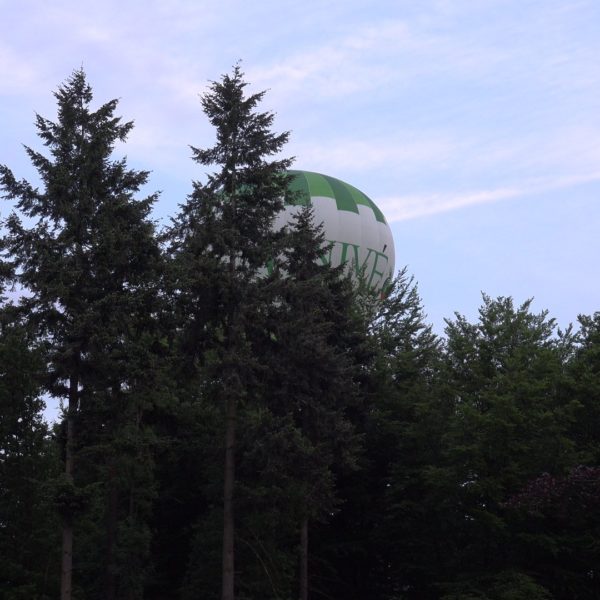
(357,229)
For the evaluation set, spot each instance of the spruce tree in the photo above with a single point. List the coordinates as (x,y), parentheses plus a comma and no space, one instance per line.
(301,436)
(29,536)
(318,353)
(221,240)
(83,250)
(373,536)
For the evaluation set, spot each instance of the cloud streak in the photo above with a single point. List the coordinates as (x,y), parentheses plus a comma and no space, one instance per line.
(404,208)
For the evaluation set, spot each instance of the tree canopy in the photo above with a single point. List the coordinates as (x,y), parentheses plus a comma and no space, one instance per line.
(240,420)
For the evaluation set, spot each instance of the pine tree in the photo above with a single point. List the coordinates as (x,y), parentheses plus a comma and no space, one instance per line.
(84,251)
(221,241)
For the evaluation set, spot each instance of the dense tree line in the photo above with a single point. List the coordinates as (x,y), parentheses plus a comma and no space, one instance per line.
(230,431)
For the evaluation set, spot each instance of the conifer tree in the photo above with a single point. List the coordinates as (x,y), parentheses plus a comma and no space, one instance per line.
(221,241)
(314,349)
(29,535)
(83,249)
(365,550)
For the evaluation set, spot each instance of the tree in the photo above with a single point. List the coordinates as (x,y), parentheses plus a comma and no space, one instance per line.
(583,386)
(28,464)
(221,240)
(83,249)
(555,513)
(557,520)
(456,429)
(508,425)
(378,545)
(316,352)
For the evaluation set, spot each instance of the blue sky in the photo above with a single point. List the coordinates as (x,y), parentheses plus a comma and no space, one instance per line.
(474,125)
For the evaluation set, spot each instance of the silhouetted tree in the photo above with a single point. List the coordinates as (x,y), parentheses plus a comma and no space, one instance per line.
(83,250)
(221,240)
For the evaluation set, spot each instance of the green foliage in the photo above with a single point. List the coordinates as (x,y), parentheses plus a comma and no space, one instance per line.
(306,432)
(28,464)
(372,541)
(453,432)
(582,387)
(432,469)
(507,425)
(67,498)
(316,355)
(219,244)
(83,249)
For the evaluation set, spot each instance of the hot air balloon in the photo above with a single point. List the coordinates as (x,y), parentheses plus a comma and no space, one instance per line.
(355,228)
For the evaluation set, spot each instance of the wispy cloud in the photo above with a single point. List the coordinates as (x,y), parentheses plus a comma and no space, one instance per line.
(408,207)
(345,64)
(398,209)
(378,54)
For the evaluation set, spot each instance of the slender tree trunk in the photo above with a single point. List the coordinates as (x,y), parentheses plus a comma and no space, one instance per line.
(67,559)
(111,533)
(304,559)
(66,573)
(228,522)
(112,503)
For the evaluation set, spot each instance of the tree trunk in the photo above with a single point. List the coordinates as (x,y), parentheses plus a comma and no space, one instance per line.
(67,559)
(228,523)
(111,533)
(66,572)
(304,560)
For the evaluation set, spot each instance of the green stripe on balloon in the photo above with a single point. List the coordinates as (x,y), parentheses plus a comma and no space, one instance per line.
(307,184)
(318,185)
(342,195)
(300,194)
(364,200)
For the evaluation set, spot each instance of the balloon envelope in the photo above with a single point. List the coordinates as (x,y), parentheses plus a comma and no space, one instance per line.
(356,229)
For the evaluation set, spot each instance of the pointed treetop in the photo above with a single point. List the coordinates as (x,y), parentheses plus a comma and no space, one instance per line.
(244,136)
